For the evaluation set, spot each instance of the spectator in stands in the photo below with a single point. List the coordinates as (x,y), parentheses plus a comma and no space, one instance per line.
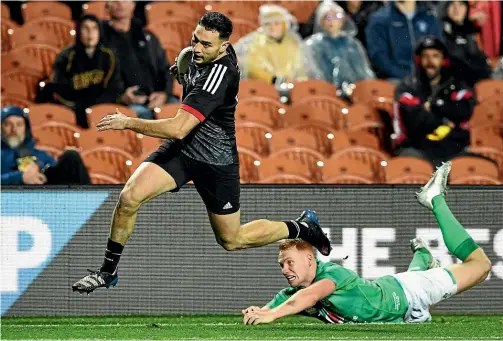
(144,68)
(338,55)
(391,34)
(273,53)
(86,73)
(22,163)
(432,107)
(360,12)
(487,15)
(459,36)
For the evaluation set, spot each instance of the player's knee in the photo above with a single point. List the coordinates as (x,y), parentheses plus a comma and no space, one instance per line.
(128,201)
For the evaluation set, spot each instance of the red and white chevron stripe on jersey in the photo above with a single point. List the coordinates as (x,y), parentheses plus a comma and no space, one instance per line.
(408,99)
(215,78)
(461,95)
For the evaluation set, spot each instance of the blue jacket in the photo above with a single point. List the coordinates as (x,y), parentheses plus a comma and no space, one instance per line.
(391,39)
(10,173)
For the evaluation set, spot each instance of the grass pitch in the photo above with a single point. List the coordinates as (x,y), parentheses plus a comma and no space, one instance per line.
(231,328)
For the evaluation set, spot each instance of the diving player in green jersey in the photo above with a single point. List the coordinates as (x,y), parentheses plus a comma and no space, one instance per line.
(335,294)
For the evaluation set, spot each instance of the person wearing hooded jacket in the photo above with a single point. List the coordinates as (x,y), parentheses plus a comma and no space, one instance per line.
(86,73)
(22,163)
(432,108)
(392,33)
(336,52)
(460,38)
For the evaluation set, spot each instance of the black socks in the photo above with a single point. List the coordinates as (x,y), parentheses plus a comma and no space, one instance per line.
(112,256)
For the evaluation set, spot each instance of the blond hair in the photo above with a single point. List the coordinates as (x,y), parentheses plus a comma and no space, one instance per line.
(299,244)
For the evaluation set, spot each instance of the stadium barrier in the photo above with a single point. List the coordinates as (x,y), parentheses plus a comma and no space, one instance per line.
(173,265)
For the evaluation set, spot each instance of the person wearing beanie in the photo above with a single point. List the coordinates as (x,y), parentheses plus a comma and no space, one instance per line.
(432,107)
(468,61)
(86,73)
(23,164)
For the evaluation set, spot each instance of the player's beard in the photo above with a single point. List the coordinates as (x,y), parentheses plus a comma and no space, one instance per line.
(14,141)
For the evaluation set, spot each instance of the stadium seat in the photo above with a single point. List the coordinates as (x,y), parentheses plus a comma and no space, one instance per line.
(97,8)
(345,139)
(102,179)
(377,93)
(254,87)
(109,161)
(408,170)
(15,100)
(347,171)
(17,59)
(248,113)
(292,138)
(369,156)
(126,140)
(308,160)
(302,10)
(57,134)
(489,145)
(365,118)
(8,26)
(487,117)
(177,90)
(29,77)
(61,31)
(149,143)
(258,133)
(44,54)
(336,107)
(315,122)
(248,165)
(234,10)
(14,87)
(281,169)
(43,113)
(183,27)
(52,151)
(489,90)
(473,170)
(167,111)
(97,112)
(160,10)
(42,9)
(26,36)
(241,28)
(308,88)
(275,109)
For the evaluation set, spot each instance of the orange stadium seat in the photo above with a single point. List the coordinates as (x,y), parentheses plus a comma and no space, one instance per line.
(5,11)
(43,113)
(109,161)
(167,111)
(281,169)
(374,158)
(17,59)
(315,122)
(15,100)
(126,140)
(306,158)
(275,109)
(57,134)
(345,139)
(241,28)
(248,165)
(408,170)
(291,138)
(160,10)
(347,171)
(252,114)
(97,8)
(473,170)
(489,145)
(102,179)
(377,93)
(41,9)
(489,90)
(60,30)
(259,134)
(302,10)
(44,54)
(97,112)
(336,107)
(254,87)
(52,151)
(487,117)
(184,28)
(365,118)
(26,36)
(8,27)
(29,77)
(234,10)
(149,143)
(308,88)
(14,87)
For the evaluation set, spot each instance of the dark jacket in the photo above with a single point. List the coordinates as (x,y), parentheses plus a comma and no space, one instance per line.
(391,38)
(11,158)
(451,100)
(81,81)
(143,61)
(468,61)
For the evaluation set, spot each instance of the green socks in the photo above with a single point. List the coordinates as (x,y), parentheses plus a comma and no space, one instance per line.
(420,260)
(457,240)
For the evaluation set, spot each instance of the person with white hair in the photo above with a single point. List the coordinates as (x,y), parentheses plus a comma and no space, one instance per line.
(336,52)
(273,52)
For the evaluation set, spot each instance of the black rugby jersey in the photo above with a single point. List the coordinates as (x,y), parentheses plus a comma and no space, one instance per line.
(210,94)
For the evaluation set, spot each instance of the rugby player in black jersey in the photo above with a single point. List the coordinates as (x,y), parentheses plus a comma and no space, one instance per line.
(200,146)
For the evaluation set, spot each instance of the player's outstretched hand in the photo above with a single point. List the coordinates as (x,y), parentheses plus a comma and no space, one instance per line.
(258,316)
(115,121)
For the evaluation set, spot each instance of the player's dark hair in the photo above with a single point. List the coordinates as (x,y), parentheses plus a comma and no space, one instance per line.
(214,21)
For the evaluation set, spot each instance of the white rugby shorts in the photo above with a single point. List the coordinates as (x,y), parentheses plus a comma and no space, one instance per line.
(424,289)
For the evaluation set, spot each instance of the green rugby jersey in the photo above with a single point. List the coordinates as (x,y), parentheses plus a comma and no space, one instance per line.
(354,299)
